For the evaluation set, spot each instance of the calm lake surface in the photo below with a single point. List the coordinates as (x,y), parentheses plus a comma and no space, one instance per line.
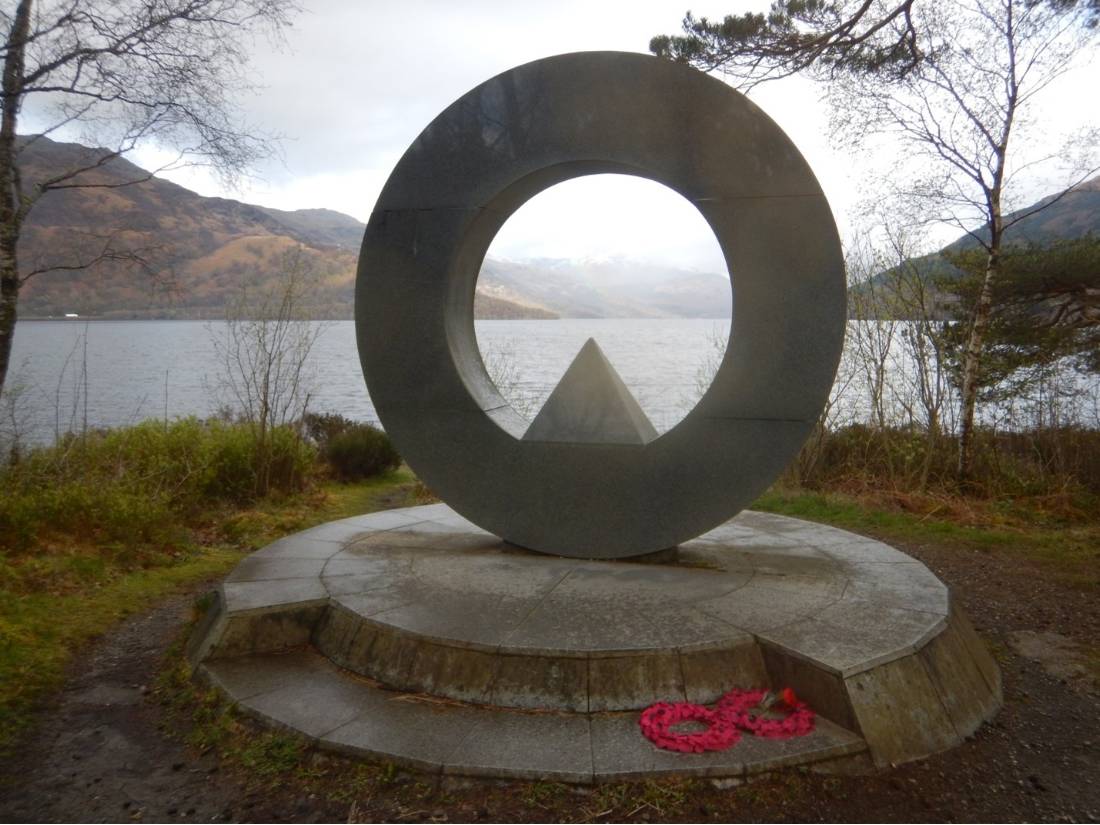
(141,369)
(157,369)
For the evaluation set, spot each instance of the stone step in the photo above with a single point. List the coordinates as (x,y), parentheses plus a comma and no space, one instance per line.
(423,601)
(303,692)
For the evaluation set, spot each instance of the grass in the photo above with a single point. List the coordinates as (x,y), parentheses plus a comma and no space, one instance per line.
(39,631)
(264,521)
(69,590)
(1067,550)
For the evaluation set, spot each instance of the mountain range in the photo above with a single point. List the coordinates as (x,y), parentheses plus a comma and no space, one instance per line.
(177,254)
(1074,213)
(1068,215)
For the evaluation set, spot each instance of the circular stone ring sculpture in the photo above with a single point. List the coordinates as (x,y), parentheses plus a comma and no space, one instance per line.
(476,164)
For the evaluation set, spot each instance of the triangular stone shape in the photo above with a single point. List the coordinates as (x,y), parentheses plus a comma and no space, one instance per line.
(591,405)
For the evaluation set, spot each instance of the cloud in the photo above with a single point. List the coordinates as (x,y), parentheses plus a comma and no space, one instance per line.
(618,215)
(357,81)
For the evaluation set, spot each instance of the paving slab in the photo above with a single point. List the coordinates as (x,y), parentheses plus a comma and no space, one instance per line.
(544,746)
(265,568)
(561,624)
(849,637)
(620,752)
(355,561)
(304,693)
(799,588)
(827,741)
(388,519)
(242,597)
(912,586)
(670,624)
(309,705)
(352,584)
(339,531)
(404,730)
(368,603)
(491,573)
(247,676)
(453,519)
(299,547)
(465,620)
(757,610)
(859,550)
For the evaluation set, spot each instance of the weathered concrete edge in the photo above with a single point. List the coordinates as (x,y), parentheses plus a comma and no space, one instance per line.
(929,700)
(834,757)
(567,680)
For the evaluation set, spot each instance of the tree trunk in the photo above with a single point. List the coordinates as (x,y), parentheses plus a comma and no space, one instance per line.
(972,363)
(9,297)
(10,204)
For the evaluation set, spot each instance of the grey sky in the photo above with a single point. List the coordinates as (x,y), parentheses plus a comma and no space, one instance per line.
(357,81)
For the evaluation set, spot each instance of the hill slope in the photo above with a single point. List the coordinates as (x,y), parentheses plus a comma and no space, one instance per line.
(195,252)
(1072,215)
(178,254)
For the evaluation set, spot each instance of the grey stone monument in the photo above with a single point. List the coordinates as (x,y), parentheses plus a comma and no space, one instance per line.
(468,171)
(433,600)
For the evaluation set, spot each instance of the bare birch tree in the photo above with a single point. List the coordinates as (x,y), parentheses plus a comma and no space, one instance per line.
(263,350)
(957,116)
(120,72)
(950,86)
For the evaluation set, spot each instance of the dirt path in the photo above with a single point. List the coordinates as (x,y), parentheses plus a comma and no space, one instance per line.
(100,752)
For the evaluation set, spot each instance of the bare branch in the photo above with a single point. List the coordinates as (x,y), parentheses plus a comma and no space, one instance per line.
(127,71)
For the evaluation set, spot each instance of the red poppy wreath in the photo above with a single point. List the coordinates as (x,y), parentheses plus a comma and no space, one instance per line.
(765,714)
(760,712)
(657,722)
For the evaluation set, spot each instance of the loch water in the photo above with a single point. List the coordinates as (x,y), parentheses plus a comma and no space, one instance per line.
(154,369)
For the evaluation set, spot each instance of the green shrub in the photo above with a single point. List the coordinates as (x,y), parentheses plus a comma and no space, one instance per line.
(289,461)
(320,428)
(242,467)
(1062,463)
(360,451)
(231,472)
(137,484)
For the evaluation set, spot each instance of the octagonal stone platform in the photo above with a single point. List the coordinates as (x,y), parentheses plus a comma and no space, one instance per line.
(413,635)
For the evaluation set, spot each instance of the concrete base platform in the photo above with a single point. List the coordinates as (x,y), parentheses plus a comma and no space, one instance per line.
(420,601)
(304,692)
